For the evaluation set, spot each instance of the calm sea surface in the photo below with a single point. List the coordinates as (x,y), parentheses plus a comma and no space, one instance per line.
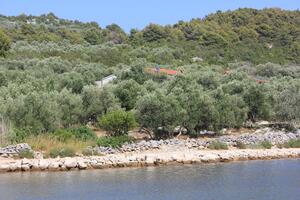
(254,180)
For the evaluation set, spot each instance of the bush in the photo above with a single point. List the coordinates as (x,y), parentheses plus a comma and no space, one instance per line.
(90,152)
(114,142)
(292,144)
(241,145)
(218,145)
(62,152)
(26,154)
(83,133)
(62,135)
(266,144)
(117,122)
(19,135)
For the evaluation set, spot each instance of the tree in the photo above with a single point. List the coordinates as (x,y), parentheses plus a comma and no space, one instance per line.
(128,92)
(117,122)
(153,33)
(93,36)
(97,101)
(70,106)
(5,43)
(287,103)
(158,113)
(200,111)
(258,102)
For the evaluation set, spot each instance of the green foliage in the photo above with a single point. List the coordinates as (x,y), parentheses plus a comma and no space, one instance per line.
(159,113)
(128,92)
(292,144)
(217,145)
(19,135)
(62,152)
(63,135)
(90,152)
(117,122)
(5,43)
(48,73)
(97,102)
(266,144)
(26,154)
(83,133)
(114,142)
(258,103)
(241,145)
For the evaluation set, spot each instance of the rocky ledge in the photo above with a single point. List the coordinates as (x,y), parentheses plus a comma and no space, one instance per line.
(275,137)
(147,158)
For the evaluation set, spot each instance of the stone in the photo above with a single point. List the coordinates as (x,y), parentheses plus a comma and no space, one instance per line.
(70,163)
(82,165)
(43,164)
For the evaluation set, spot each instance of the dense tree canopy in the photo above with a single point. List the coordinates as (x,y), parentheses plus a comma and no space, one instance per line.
(233,66)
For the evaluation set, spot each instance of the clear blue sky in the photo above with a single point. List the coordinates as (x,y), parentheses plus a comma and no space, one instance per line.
(134,13)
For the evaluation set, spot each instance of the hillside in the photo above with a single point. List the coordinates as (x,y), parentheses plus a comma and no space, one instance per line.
(232,67)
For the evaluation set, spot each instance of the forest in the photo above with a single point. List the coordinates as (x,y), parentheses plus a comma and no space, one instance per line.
(233,67)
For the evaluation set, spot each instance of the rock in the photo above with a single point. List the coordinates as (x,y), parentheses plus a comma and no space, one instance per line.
(5,168)
(82,165)
(209,158)
(70,163)
(38,155)
(54,165)
(25,167)
(43,164)
(15,149)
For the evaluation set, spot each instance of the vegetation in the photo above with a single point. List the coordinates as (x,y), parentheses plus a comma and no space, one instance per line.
(62,152)
(117,122)
(232,67)
(114,142)
(26,154)
(266,144)
(292,144)
(217,145)
(241,145)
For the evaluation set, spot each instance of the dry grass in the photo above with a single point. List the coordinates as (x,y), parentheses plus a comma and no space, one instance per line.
(45,144)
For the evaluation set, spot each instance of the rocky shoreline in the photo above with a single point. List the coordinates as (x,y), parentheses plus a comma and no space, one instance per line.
(147,158)
(275,137)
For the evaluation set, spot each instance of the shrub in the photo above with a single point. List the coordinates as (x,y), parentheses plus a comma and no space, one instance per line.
(19,135)
(83,133)
(218,145)
(114,142)
(241,145)
(62,152)
(90,152)
(62,135)
(266,144)
(292,144)
(118,122)
(26,154)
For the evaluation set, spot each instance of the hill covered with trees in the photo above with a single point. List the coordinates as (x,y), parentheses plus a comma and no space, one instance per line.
(234,66)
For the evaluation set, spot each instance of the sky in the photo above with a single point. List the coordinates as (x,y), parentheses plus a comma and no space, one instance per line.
(135,13)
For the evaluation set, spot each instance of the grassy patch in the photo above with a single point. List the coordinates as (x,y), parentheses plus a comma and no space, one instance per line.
(218,145)
(241,145)
(62,152)
(266,144)
(292,144)
(46,143)
(81,133)
(26,154)
(114,142)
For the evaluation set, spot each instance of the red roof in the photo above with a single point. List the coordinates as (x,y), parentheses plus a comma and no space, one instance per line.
(163,71)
